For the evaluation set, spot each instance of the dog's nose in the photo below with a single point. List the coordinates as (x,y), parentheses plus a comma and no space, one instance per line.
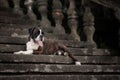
(41,37)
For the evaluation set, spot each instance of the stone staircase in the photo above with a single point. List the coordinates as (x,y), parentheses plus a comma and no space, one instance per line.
(97,64)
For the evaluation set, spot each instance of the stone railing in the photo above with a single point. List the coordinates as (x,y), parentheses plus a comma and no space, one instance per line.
(57,11)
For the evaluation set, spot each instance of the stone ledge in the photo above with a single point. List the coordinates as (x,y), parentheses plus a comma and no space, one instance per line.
(12,58)
(60,77)
(53,68)
(5,48)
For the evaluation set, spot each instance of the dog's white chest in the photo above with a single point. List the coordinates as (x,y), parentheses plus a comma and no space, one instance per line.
(32,46)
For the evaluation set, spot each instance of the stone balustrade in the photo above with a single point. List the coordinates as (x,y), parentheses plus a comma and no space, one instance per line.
(58,13)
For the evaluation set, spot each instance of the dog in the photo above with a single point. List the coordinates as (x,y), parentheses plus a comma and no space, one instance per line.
(38,45)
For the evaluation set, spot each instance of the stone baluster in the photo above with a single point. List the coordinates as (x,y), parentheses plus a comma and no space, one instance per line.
(58,17)
(72,20)
(42,8)
(17,8)
(30,12)
(88,22)
(4,4)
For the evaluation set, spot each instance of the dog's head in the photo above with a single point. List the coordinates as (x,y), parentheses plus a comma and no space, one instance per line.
(36,34)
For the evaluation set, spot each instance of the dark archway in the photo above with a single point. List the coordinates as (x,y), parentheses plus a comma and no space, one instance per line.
(107,26)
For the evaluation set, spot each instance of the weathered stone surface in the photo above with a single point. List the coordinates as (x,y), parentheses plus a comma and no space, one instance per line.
(12,40)
(72,20)
(16,40)
(88,22)
(11,48)
(12,20)
(12,58)
(4,4)
(47,68)
(30,13)
(15,26)
(8,13)
(43,10)
(17,8)
(58,17)
(30,67)
(18,33)
(60,77)
(21,27)
(77,51)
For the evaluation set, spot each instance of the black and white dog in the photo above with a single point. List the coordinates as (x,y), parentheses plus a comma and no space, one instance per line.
(38,45)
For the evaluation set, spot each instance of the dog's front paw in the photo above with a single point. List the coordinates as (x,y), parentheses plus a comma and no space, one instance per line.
(19,52)
(78,63)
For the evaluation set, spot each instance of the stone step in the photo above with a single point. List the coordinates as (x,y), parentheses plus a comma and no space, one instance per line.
(24,34)
(8,48)
(9,13)
(23,28)
(13,20)
(55,59)
(11,26)
(20,23)
(5,9)
(57,68)
(60,77)
(23,40)
(22,31)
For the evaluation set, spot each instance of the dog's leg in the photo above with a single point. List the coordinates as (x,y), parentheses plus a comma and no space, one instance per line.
(65,49)
(28,49)
(74,59)
(28,52)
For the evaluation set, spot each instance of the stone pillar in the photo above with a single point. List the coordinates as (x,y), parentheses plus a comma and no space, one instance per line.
(30,12)
(4,4)
(88,22)
(72,20)
(17,8)
(42,8)
(58,17)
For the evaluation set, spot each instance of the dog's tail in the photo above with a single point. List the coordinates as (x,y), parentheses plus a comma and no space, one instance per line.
(65,49)
(74,59)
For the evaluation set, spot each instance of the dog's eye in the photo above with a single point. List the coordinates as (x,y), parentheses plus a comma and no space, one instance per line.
(36,34)
(42,33)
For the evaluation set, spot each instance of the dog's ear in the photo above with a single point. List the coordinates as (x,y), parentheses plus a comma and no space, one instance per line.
(30,30)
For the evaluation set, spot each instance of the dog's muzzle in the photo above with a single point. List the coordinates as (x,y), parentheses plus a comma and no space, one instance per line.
(40,43)
(41,38)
